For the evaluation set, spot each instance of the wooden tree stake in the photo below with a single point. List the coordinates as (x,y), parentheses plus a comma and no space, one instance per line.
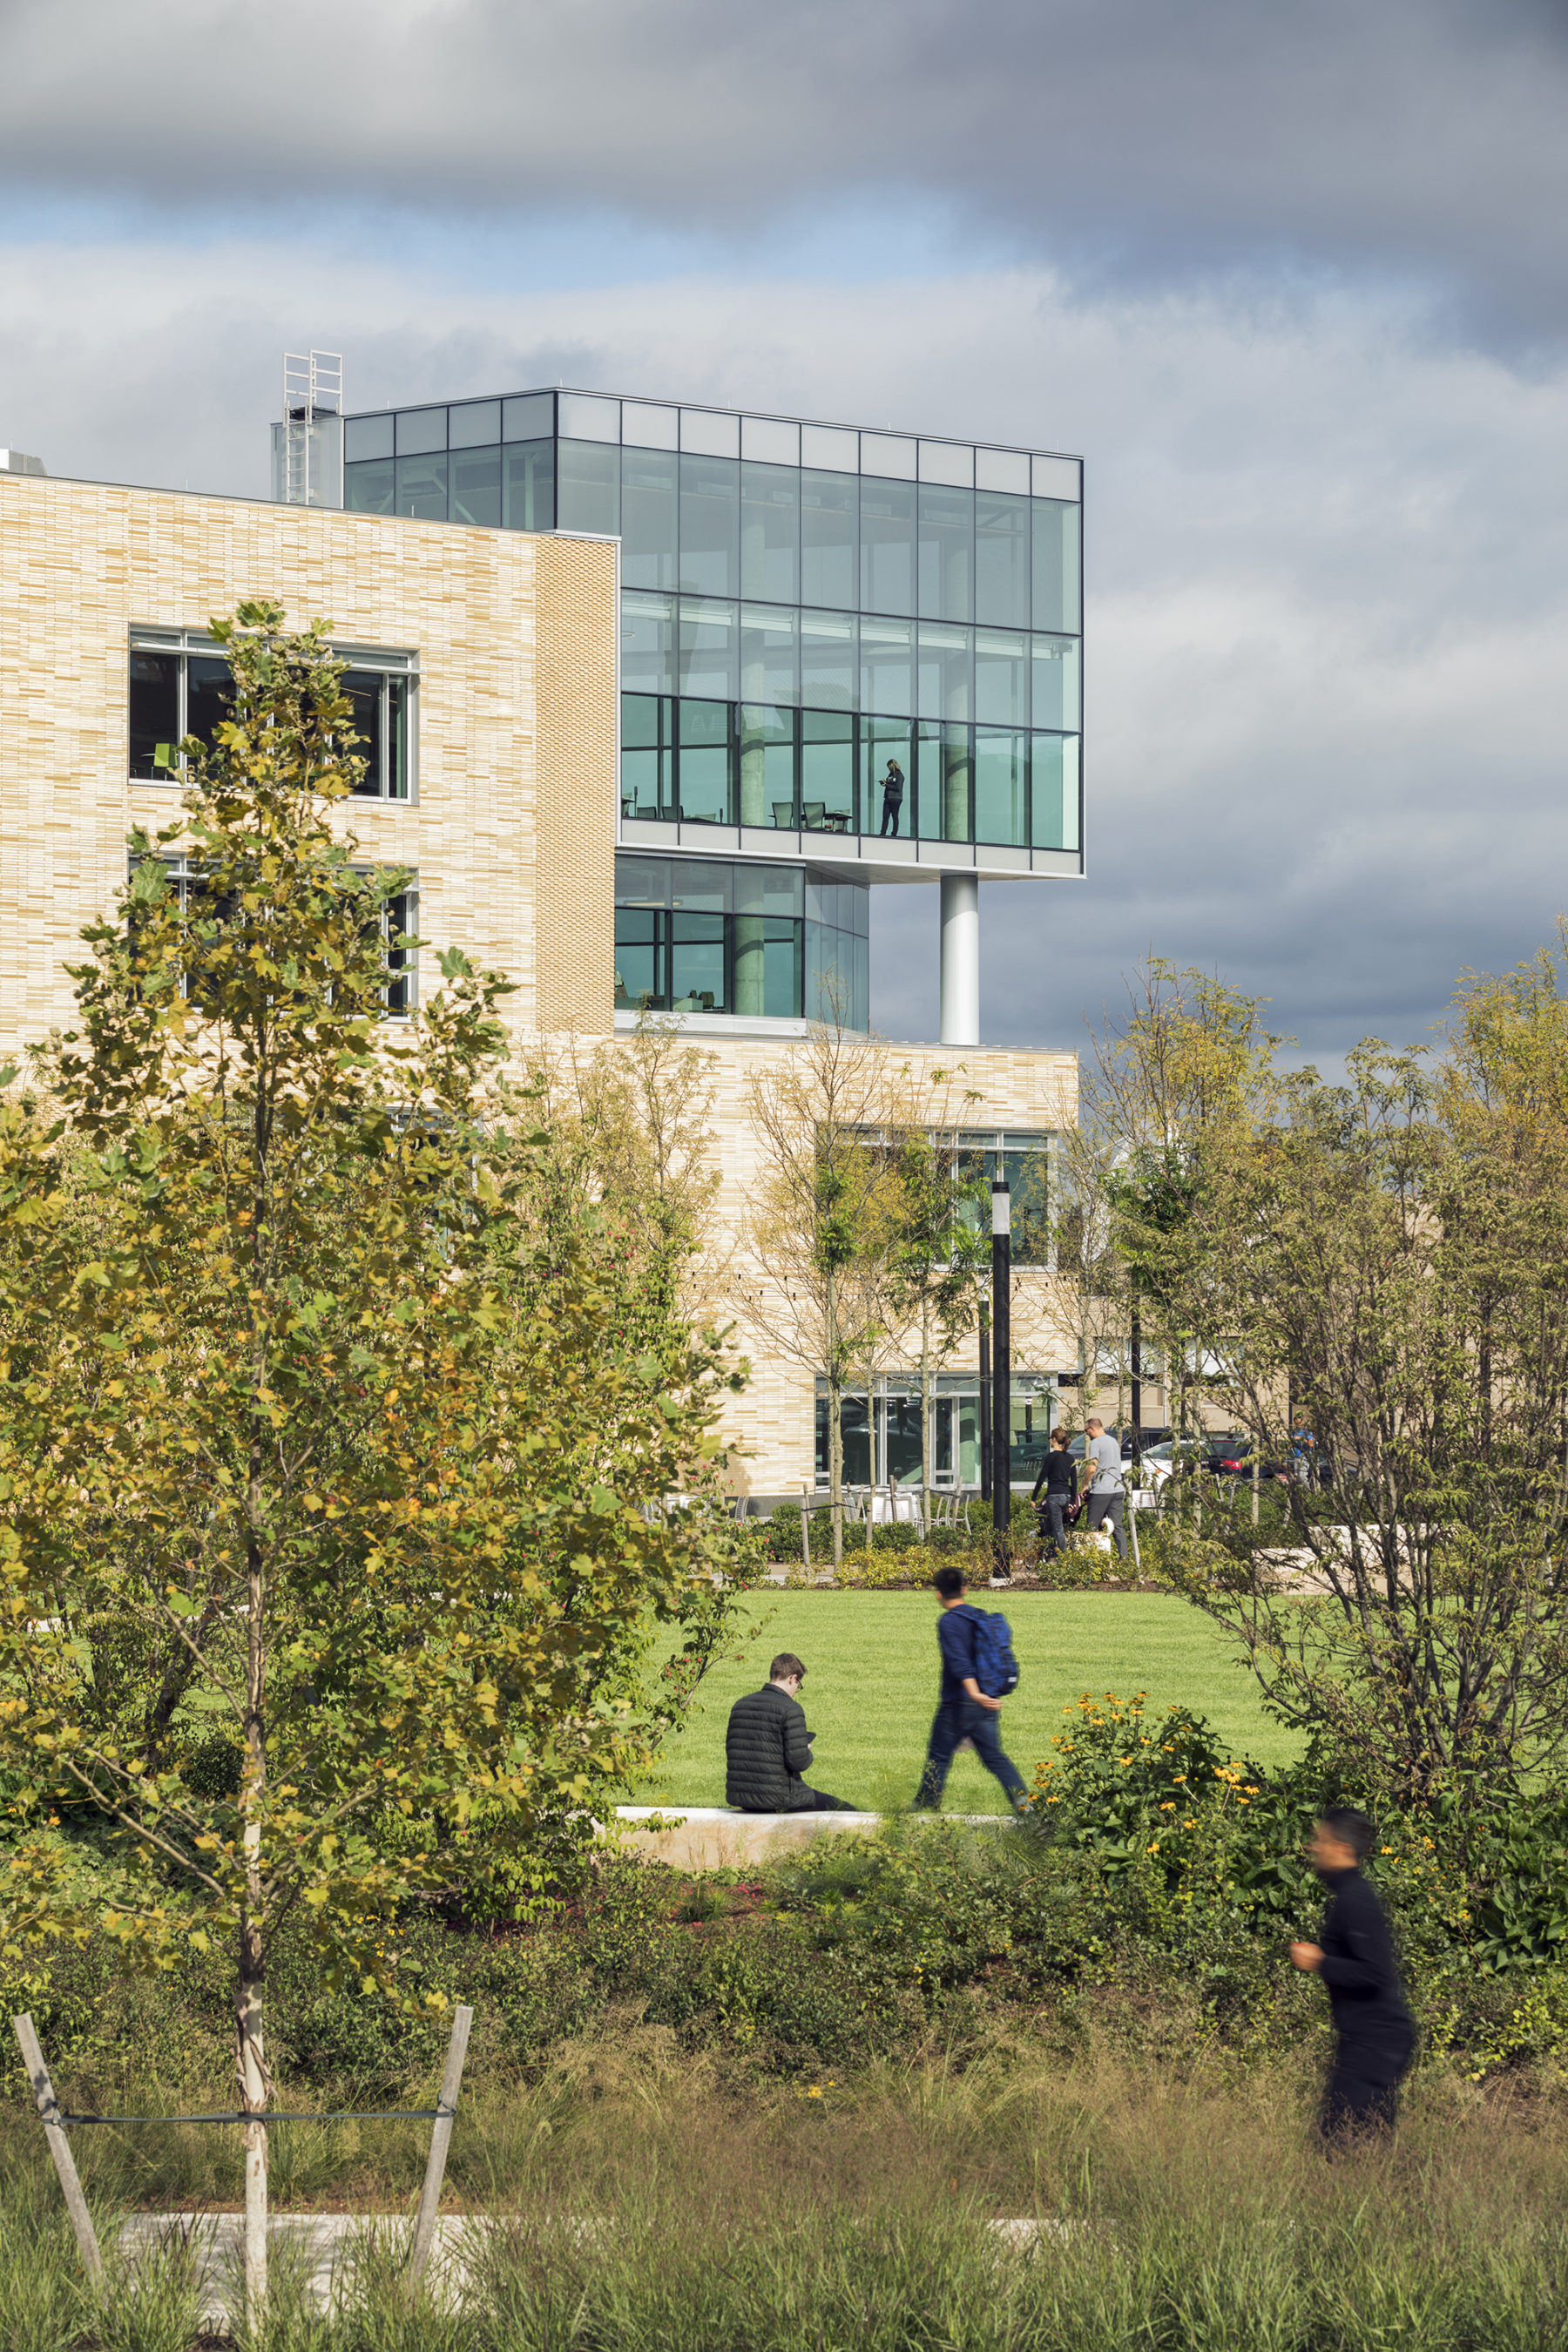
(440,2141)
(59,2149)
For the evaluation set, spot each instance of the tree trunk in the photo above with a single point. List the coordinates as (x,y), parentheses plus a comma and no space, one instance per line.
(252,1959)
(835,1420)
(925,1423)
(253,2079)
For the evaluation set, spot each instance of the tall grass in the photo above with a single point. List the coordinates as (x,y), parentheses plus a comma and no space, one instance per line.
(632,2199)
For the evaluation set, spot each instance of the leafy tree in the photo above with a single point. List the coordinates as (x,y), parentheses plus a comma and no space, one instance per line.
(938,1265)
(1382,1261)
(818,1232)
(364,1521)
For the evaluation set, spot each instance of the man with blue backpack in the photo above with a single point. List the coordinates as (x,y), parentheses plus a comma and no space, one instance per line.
(978,1669)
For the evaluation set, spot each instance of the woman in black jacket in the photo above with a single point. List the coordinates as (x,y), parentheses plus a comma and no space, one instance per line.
(1058,1479)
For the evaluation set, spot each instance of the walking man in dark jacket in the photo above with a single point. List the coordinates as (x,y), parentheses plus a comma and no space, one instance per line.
(1376,2034)
(963,1711)
(892,796)
(767,1748)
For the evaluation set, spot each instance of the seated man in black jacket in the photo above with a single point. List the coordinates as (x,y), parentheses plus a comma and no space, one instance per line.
(768,1747)
(1375,2033)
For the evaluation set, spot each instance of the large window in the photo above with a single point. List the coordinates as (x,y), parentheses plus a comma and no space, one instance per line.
(881,1429)
(707,935)
(396,922)
(710,761)
(1024,1160)
(180,685)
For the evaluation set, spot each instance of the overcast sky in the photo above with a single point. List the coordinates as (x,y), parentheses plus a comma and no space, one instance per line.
(1290,274)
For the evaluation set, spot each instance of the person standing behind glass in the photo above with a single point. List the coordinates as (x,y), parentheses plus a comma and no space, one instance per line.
(892,796)
(1056,1478)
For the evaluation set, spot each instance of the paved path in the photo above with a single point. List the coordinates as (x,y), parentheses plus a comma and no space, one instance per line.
(317,2254)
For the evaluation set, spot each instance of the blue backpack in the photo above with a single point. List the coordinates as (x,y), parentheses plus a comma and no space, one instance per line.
(996,1665)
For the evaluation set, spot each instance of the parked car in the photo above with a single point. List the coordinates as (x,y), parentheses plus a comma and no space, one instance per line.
(1232,1458)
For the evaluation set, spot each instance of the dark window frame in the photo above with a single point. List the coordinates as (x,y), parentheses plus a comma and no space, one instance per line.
(396,746)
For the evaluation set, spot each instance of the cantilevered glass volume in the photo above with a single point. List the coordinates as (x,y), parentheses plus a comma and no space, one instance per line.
(803,606)
(844,653)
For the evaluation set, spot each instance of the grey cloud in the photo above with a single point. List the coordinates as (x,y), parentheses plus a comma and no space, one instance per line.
(1327,568)
(1127,136)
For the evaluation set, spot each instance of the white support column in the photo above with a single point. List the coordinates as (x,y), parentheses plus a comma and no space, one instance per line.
(960,960)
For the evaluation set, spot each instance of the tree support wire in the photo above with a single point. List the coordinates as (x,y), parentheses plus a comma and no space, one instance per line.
(57,2122)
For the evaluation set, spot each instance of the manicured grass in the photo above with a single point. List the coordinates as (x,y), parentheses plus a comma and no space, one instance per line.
(872,1677)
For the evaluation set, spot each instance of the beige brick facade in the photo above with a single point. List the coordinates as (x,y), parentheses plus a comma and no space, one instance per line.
(776,1420)
(515,636)
(511,830)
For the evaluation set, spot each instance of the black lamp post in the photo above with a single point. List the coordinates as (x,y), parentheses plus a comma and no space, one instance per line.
(1001,1367)
(986,1405)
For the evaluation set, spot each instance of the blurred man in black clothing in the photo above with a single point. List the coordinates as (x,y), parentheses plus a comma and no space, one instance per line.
(1376,2034)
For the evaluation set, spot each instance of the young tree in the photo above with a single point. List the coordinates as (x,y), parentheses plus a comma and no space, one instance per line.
(1383,1259)
(369,1536)
(816,1236)
(938,1261)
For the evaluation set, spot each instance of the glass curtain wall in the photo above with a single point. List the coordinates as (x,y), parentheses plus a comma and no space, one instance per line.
(774,942)
(788,629)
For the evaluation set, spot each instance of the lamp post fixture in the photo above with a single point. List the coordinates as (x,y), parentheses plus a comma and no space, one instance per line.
(1001,1367)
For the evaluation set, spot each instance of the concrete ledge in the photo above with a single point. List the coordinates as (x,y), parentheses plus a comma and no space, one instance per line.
(717,1837)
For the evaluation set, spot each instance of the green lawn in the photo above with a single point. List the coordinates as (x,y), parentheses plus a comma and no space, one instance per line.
(872,1676)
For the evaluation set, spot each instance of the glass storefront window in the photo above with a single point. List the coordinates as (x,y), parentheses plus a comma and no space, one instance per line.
(649,496)
(476,485)
(1057,551)
(528,486)
(705,763)
(1055,690)
(887,546)
(829,538)
(1001,560)
(946,553)
(710,526)
(588,487)
(770,533)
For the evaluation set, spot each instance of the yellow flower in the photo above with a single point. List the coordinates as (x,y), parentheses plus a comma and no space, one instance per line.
(814,2093)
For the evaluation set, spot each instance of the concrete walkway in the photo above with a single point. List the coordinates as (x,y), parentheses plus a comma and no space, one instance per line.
(314,2256)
